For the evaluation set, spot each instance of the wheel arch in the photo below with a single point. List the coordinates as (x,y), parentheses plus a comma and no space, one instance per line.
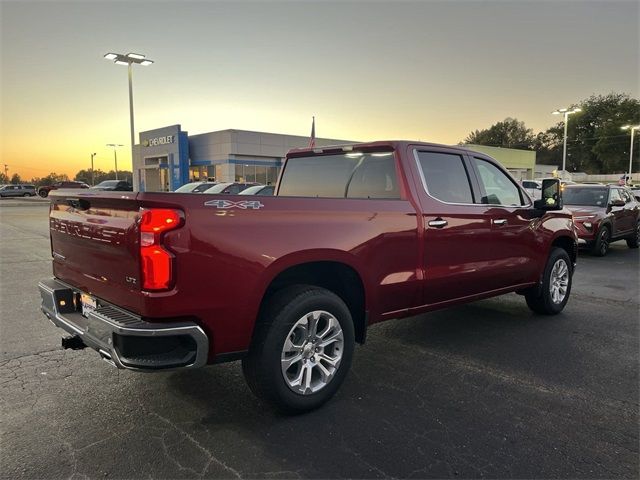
(336,275)
(568,244)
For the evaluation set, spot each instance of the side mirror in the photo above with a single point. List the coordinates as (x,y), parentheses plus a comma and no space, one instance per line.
(616,203)
(551,195)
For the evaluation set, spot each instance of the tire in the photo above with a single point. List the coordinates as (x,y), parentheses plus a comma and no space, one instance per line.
(43,193)
(634,240)
(26,195)
(543,300)
(601,245)
(284,322)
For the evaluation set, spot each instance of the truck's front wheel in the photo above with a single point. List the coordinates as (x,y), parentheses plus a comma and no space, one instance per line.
(555,288)
(302,349)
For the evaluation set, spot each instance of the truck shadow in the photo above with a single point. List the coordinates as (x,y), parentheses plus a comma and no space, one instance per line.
(424,385)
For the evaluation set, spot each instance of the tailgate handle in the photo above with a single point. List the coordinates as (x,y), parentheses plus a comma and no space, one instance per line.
(79,204)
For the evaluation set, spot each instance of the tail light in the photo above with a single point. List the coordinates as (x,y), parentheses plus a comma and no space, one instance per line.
(157,262)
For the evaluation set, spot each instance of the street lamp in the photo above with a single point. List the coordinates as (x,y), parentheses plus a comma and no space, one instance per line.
(93,182)
(115,154)
(633,129)
(566,113)
(129,59)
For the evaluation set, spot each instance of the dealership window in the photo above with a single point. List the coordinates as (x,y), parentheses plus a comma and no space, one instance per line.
(256,173)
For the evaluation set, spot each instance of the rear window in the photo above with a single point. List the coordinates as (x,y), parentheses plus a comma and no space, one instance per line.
(585,196)
(445,177)
(350,175)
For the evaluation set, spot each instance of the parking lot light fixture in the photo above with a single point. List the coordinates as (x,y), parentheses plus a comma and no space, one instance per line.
(633,129)
(129,59)
(115,154)
(566,112)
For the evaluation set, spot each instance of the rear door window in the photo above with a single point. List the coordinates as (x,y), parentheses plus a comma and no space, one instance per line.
(445,177)
(499,189)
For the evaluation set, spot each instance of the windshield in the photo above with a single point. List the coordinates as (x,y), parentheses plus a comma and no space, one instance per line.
(217,188)
(585,196)
(252,190)
(108,183)
(204,187)
(186,188)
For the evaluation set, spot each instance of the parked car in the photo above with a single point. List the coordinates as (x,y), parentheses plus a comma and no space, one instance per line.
(195,187)
(260,190)
(635,190)
(603,214)
(533,188)
(44,191)
(231,188)
(355,235)
(17,191)
(113,186)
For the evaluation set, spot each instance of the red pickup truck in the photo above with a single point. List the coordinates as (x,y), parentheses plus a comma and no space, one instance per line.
(355,235)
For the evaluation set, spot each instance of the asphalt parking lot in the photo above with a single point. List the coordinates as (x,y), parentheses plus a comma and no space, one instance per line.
(484,390)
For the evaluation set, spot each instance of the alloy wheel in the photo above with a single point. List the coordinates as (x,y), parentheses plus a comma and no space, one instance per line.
(604,241)
(312,352)
(559,281)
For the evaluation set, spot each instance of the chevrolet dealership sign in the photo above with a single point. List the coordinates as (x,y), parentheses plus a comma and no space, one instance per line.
(154,142)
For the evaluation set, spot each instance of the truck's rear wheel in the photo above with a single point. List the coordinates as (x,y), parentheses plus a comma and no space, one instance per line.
(553,294)
(302,349)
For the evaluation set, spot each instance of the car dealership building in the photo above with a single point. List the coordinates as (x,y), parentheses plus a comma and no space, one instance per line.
(169,157)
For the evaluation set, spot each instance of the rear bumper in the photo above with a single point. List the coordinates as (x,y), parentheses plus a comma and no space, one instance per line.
(122,338)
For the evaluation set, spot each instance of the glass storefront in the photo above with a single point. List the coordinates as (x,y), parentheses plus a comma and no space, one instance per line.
(257,173)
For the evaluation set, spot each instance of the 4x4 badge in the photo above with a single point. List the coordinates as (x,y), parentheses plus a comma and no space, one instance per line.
(243,204)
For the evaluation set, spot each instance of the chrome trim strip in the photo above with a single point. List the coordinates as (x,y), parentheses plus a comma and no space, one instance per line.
(97,329)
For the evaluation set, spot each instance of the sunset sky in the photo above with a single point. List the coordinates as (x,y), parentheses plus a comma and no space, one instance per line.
(432,71)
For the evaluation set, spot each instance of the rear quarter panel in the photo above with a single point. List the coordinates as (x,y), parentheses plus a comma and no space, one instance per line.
(227,257)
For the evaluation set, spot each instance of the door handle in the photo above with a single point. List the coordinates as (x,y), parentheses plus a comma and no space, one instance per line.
(500,221)
(438,223)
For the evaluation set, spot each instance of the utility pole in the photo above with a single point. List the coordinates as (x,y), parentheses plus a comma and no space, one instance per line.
(6,171)
(93,181)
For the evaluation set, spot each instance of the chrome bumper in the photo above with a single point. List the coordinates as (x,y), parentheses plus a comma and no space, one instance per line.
(122,338)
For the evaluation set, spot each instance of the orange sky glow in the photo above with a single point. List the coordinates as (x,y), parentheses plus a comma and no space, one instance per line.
(431,71)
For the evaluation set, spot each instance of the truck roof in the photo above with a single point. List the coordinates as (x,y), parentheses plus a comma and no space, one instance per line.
(387,144)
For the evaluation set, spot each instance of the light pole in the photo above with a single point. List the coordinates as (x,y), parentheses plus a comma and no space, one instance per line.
(566,113)
(115,154)
(129,59)
(633,129)
(93,182)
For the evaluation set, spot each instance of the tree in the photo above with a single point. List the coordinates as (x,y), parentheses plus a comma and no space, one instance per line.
(100,176)
(49,179)
(510,133)
(596,142)
(15,179)
(3,178)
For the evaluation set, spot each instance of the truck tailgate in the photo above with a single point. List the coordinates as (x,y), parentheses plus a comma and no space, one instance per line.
(95,243)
